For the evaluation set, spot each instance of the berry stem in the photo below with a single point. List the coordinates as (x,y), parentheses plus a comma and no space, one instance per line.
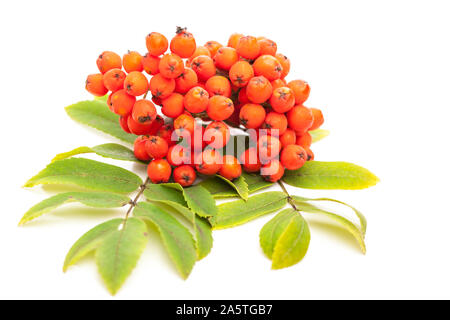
(289,198)
(135,200)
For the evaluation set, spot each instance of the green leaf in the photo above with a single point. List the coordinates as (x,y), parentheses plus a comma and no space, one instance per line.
(330,175)
(318,134)
(347,224)
(177,239)
(107,150)
(88,174)
(90,241)
(273,229)
(219,189)
(198,199)
(238,212)
(362,219)
(90,199)
(119,252)
(292,241)
(96,114)
(239,185)
(175,199)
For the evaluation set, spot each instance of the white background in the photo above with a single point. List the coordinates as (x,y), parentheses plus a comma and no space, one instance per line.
(380,70)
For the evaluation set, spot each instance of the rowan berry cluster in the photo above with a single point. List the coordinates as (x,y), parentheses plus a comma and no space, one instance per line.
(202,91)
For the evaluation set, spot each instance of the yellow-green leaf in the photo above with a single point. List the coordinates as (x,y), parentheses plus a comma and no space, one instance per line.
(239,184)
(90,241)
(90,199)
(318,134)
(292,244)
(330,175)
(347,224)
(120,251)
(96,114)
(272,230)
(176,238)
(88,174)
(239,212)
(107,150)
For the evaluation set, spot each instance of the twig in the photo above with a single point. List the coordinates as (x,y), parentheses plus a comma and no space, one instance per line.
(135,200)
(289,198)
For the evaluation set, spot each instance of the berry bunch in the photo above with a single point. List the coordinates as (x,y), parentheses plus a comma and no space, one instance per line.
(242,84)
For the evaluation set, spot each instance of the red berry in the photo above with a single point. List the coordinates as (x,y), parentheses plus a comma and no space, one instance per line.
(139,148)
(217,134)
(272,171)
(159,171)
(144,111)
(184,175)
(156,147)
(293,157)
(231,168)
(249,160)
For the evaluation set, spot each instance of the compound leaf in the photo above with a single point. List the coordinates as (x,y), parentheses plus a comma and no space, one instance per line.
(88,174)
(96,114)
(119,252)
(90,199)
(176,238)
(90,241)
(239,212)
(330,175)
(107,150)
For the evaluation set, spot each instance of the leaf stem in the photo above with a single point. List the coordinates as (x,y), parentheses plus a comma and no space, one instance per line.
(289,198)
(135,200)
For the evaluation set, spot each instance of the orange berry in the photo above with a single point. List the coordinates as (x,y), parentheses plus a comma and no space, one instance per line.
(156,43)
(268,66)
(123,124)
(171,66)
(136,83)
(183,44)
(139,148)
(259,89)
(304,140)
(231,168)
(156,147)
(276,123)
(220,108)
(161,87)
(144,111)
(310,154)
(204,67)
(225,58)
(122,103)
(184,125)
(300,118)
(249,160)
(288,137)
(196,100)
(151,64)
(267,46)
(208,162)
(109,60)
(218,85)
(252,115)
(217,134)
(199,51)
(278,83)
(166,132)
(172,106)
(248,47)
(95,85)
(282,99)
(186,81)
(179,155)
(159,171)
(213,47)
(317,119)
(234,39)
(184,175)
(285,63)
(114,79)
(268,148)
(300,89)
(132,61)
(293,157)
(272,171)
(240,73)
(138,128)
